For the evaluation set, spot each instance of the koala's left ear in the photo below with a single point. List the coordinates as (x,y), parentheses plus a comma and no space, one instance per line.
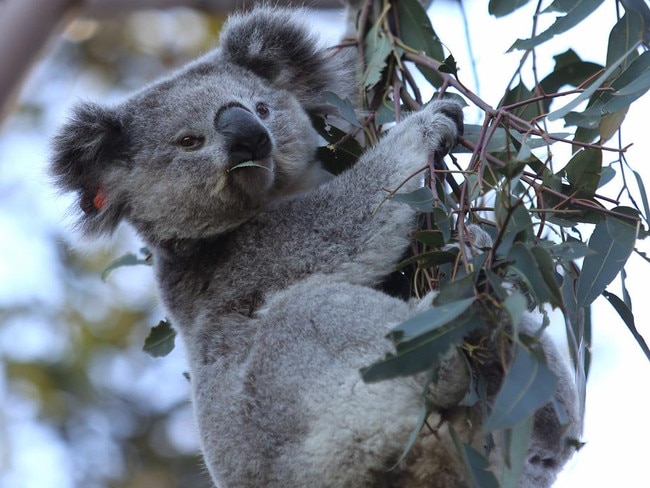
(88,153)
(277,45)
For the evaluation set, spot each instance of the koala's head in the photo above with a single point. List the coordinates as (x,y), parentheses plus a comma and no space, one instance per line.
(200,152)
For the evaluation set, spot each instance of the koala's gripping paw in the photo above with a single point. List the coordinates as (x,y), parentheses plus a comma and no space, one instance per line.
(442,123)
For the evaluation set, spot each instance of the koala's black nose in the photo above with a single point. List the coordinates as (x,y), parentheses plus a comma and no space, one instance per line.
(246,138)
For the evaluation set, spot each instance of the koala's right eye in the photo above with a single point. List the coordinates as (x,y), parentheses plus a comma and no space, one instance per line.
(191,143)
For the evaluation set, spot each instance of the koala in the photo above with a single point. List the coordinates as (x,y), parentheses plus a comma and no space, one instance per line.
(269,268)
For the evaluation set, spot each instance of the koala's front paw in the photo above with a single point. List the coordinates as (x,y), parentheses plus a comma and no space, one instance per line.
(442,124)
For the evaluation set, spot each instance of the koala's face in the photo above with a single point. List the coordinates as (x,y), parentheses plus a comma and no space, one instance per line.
(211,148)
(202,151)
(199,153)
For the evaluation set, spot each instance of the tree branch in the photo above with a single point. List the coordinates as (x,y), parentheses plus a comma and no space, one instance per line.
(27,25)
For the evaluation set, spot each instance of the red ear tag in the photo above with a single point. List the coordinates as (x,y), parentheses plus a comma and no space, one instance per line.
(100,199)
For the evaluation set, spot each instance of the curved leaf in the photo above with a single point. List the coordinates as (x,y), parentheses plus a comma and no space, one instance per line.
(561,112)
(417,33)
(430,320)
(477,467)
(160,341)
(346,110)
(583,172)
(612,243)
(423,352)
(499,8)
(626,314)
(528,385)
(578,10)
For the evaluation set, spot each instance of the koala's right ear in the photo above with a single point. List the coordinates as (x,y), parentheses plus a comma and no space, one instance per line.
(277,45)
(87,154)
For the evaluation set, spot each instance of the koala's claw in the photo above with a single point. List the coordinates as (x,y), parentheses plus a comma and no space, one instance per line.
(455,112)
(444,120)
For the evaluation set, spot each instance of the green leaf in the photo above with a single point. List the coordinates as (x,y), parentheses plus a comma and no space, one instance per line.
(477,467)
(423,352)
(576,12)
(413,436)
(588,92)
(566,252)
(385,113)
(526,265)
(160,341)
(342,152)
(518,440)
(432,238)
(612,243)
(644,196)
(499,8)
(569,70)
(378,48)
(515,304)
(625,92)
(528,385)
(626,314)
(129,259)
(608,173)
(583,172)
(627,33)
(429,320)
(420,199)
(429,259)
(249,164)
(417,33)
(449,66)
(345,108)
(521,93)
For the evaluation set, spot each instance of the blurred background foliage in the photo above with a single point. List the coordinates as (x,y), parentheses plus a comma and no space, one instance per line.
(79,383)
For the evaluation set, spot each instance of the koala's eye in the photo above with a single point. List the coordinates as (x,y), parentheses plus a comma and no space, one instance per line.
(191,142)
(262,110)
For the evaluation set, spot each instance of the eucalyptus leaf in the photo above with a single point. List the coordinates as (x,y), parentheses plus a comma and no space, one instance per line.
(248,164)
(499,8)
(477,467)
(525,264)
(432,238)
(344,106)
(569,251)
(424,352)
(583,172)
(128,259)
(417,33)
(518,440)
(576,12)
(628,318)
(528,385)
(561,112)
(644,195)
(607,174)
(413,436)
(378,48)
(160,341)
(420,199)
(625,34)
(515,304)
(612,243)
(429,320)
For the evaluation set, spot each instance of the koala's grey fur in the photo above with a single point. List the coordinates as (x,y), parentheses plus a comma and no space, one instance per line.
(269,276)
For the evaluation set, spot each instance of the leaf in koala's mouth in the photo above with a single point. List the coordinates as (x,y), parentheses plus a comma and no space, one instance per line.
(248,164)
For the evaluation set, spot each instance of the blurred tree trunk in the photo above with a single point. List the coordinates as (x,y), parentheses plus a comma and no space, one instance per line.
(27,25)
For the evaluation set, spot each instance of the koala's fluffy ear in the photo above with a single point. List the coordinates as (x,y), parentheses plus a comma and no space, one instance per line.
(277,45)
(87,154)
